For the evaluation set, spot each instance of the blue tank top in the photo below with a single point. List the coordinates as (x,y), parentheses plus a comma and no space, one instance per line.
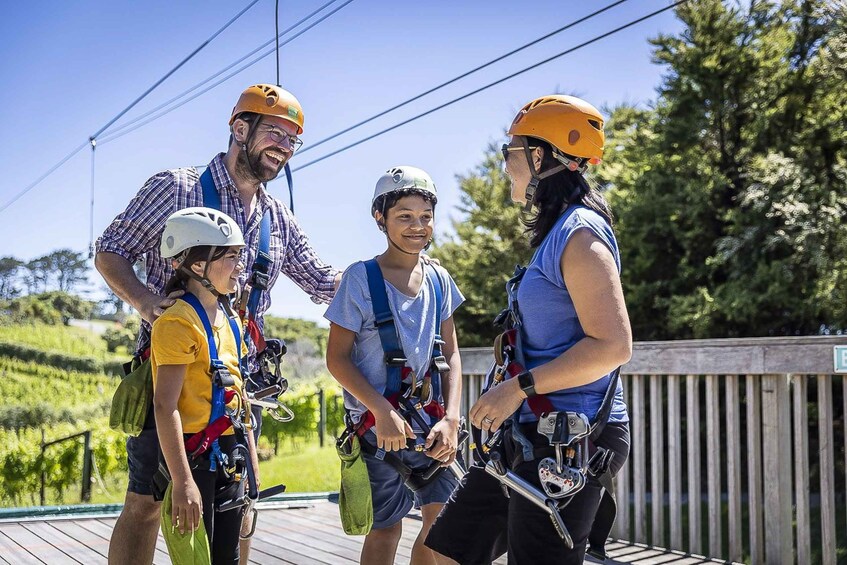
(550,324)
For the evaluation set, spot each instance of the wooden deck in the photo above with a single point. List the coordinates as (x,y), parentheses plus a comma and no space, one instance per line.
(307,533)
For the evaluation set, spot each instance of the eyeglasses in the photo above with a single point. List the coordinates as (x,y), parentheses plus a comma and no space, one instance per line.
(284,138)
(506,148)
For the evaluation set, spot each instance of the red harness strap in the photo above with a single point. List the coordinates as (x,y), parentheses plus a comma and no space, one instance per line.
(433,409)
(199,443)
(539,404)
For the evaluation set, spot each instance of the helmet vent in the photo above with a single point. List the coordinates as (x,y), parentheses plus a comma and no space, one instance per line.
(596,125)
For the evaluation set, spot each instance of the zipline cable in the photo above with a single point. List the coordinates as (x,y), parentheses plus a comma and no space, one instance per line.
(288,176)
(112,137)
(115,135)
(207,80)
(50,171)
(489,85)
(463,75)
(173,70)
(91,211)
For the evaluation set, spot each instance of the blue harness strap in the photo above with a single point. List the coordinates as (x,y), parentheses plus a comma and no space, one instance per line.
(259,278)
(395,358)
(211,198)
(218,390)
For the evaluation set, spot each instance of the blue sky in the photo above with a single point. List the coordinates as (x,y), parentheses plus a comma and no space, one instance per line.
(67,68)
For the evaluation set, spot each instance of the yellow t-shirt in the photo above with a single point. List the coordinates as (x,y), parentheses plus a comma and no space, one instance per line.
(178,338)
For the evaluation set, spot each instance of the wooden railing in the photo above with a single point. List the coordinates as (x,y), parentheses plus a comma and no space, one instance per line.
(720,463)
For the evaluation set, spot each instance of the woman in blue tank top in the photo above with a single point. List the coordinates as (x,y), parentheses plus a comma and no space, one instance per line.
(574,334)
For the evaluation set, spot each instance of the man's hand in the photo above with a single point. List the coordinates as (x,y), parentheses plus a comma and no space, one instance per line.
(154,305)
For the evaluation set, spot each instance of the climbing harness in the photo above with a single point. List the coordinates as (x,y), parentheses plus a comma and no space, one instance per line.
(266,384)
(409,394)
(565,471)
(237,465)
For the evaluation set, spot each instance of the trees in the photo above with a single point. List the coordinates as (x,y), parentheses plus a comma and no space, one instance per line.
(482,253)
(9,270)
(729,191)
(730,215)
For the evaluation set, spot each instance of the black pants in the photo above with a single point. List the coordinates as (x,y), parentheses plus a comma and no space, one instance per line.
(222,528)
(479,524)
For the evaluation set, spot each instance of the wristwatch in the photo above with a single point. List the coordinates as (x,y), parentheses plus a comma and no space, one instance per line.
(527,383)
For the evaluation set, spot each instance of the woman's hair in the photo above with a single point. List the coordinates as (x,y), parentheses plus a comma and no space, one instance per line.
(555,193)
(387,201)
(199,253)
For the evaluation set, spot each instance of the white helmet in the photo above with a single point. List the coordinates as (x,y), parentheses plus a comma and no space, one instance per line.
(402,178)
(191,227)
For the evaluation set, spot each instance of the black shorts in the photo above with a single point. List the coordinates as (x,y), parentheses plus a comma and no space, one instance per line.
(142,457)
(479,524)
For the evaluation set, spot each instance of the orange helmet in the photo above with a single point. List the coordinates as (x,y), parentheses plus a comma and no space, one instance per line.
(570,124)
(270,100)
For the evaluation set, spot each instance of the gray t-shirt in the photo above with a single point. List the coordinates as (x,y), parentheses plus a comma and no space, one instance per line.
(414,318)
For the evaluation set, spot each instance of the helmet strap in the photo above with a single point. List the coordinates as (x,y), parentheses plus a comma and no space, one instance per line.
(537,176)
(204,280)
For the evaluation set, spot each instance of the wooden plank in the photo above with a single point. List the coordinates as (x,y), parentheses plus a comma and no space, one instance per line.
(65,543)
(622,488)
(104,528)
(674,462)
(827,468)
(801,468)
(14,552)
(714,443)
(692,427)
(754,468)
(639,471)
(42,550)
(776,448)
(96,544)
(733,466)
(739,356)
(657,463)
(844,436)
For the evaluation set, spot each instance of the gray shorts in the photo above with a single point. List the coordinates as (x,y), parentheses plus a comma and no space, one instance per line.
(392,499)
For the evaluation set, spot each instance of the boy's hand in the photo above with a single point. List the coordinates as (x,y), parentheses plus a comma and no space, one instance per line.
(443,441)
(392,430)
(187,506)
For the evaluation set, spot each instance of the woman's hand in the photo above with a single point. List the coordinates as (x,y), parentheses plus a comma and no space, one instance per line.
(187,505)
(443,441)
(392,430)
(496,405)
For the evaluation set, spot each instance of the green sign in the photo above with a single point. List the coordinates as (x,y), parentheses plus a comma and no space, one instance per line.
(840,355)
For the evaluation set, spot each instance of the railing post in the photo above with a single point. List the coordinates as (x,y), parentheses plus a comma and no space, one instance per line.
(86,467)
(692,428)
(776,437)
(322,421)
(658,456)
(639,459)
(713,464)
(754,467)
(827,469)
(801,468)
(675,461)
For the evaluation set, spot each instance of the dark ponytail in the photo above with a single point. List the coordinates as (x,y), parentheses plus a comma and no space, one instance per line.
(556,193)
(179,280)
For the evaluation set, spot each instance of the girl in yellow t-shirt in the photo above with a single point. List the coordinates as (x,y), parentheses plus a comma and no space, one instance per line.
(189,393)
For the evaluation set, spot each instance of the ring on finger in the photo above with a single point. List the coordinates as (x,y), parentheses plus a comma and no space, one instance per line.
(488,420)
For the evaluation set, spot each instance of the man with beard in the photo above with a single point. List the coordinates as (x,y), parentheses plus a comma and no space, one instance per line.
(264,127)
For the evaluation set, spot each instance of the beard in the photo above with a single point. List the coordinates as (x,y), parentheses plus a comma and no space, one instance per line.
(249,164)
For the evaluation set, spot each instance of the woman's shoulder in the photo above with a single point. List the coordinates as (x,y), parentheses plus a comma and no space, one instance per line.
(581,216)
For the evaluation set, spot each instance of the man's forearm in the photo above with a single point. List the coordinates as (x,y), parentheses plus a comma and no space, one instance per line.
(118,273)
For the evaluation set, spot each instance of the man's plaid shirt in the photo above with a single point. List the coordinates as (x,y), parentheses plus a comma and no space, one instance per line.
(136,232)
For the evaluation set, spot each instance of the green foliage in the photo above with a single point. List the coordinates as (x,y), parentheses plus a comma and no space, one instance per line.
(64,339)
(303,400)
(730,192)
(295,329)
(9,270)
(49,307)
(482,254)
(37,355)
(123,335)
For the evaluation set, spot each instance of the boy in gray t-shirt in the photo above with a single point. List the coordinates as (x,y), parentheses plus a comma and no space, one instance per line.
(404,209)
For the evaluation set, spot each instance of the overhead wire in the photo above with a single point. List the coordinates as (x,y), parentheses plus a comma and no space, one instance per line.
(463,75)
(173,70)
(111,136)
(127,127)
(489,85)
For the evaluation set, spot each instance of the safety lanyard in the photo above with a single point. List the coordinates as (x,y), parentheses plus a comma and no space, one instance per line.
(216,367)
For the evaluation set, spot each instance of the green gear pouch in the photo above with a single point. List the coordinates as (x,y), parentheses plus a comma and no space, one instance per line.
(354,500)
(190,548)
(132,399)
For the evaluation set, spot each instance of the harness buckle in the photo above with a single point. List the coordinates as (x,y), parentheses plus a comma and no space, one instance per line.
(395,359)
(221,375)
(260,279)
(440,364)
